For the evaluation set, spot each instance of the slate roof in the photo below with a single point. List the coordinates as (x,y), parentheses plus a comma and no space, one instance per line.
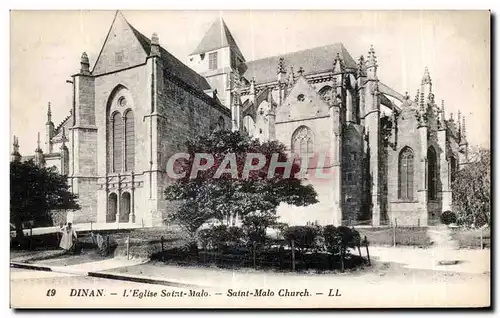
(313,61)
(172,64)
(218,36)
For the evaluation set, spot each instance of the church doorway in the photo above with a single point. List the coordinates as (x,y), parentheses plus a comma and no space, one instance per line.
(125,207)
(112,206)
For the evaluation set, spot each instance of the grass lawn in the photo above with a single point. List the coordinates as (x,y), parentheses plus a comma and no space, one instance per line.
(417,236)
(472,238)
(410,236)
(143,242)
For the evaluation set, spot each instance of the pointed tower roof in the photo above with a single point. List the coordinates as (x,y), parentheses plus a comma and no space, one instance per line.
(218,36)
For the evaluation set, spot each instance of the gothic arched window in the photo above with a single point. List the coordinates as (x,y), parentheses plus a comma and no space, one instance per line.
(120,131)
(129,141)
(117,141)
(432,174)
(220,124)
(405,178)
(302,141)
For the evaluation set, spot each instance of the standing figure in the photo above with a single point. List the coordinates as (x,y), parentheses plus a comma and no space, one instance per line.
(68,237)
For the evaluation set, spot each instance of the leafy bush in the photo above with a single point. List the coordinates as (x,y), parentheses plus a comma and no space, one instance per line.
(349,237)
(235,236)
(204,238)
(220,237)
(342,237)
(280,228)
(333,239)
(255,225)
(302,236)
(448,217)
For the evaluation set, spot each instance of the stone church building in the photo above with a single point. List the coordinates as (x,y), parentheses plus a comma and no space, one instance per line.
(387,157)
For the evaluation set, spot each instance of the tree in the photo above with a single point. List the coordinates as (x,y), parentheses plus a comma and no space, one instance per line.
(472,190)
(34,192)
(209,197)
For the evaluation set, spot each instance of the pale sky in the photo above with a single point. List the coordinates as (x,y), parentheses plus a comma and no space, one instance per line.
(455,45)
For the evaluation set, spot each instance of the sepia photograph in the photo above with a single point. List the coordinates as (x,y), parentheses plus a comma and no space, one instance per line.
(250,159)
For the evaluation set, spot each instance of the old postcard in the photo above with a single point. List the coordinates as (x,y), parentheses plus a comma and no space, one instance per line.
(250,159)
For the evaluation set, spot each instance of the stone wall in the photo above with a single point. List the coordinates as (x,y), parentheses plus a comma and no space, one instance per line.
(406,212)
(183,115)
(87,198)
(352,173)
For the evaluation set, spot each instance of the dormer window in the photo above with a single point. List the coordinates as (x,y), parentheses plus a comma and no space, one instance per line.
(212,61)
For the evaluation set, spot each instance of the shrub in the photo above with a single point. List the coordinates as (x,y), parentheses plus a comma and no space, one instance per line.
(280,228)
(303,236)
(333,239)
(342,237)
(448,217)
(235,236)
(256,223)
(204,238)
(349,237)
(219,236)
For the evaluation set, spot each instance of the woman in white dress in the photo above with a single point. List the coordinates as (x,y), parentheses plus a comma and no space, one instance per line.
(68,237)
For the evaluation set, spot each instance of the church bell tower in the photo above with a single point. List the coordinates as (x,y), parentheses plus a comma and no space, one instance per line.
(218,58)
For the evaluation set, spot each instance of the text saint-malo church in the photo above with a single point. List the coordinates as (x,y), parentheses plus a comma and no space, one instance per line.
(392,157)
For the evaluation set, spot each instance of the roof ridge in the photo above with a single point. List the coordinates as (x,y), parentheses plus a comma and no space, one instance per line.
(314,60)
(105,40)
(143,40)
(342,47)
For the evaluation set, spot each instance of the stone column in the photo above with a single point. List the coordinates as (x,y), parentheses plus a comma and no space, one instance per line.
(107,200)
(132,212)
(124,144)
(335,160)
(118,199)
(112,142)
(422,187)
(350,107)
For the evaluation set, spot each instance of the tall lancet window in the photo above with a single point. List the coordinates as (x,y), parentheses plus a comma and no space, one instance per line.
(432,177)
(302,142)
(405,170)
(120,131)
(129,141)
(117,141)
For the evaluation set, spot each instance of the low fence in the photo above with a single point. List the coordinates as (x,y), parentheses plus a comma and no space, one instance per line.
(389,223)
(418,236)
(392,236)
(282,257)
